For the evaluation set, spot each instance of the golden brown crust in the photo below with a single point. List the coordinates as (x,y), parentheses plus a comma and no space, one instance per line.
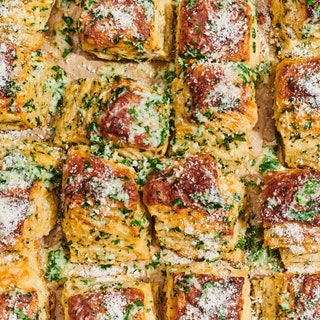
(214,31)
(296,26)
(23,293)
(14,59)
(25,303)
(82,306)
(196,210)
(295,82)
(30,88)
(8,55)
(215,111)
(28,201)
(127,119)
(208,290)
(290,210)
(102,202)
(296,110)
(81,184)
(127,113)
(115,30)
(24,22)
(216,94)
(282,200)
(298,295)
(181,187)
(20,201)
(188,296)
(91,298)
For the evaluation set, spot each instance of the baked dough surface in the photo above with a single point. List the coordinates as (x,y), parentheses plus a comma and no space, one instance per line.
(23,293)
(215,111)
(290,211)
(133,30)
(31,88)
(287,296)
(104,219)
(129,114)
(207,290)
(124,298)
(296,110)
(216,31)
(196,209)
(296,24)
(24,22)
(29,203)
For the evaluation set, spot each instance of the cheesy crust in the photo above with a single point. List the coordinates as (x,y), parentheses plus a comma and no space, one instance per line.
(296,110)
(210,290)
(196,208)
(289,210)
(216,31)
(121,298)
(104,218)
(127,29)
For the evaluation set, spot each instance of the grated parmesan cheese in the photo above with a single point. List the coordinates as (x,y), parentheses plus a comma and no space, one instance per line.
(12,211)
(224,26)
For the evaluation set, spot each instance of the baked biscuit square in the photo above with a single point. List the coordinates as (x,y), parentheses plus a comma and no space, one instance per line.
(207,291)
(129,114)
(23,293)
(216,31)
(29,173)
(31,88)
(296,110)
(215,110)
(290,211)
(296,25)
(127,29)
(109,299)
(24,22)
(104,219)
(196,208)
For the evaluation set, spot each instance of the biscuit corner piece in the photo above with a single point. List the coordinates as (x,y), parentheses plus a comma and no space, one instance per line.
(296,25)
(127,29)
(31,88)
(23,293)
(28,181)
(25,22)
(196,208)
(113,299)
(104,219)
(217,31)
(296,110)
(287,296)
(205,290)
(290,215)
(131,115)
